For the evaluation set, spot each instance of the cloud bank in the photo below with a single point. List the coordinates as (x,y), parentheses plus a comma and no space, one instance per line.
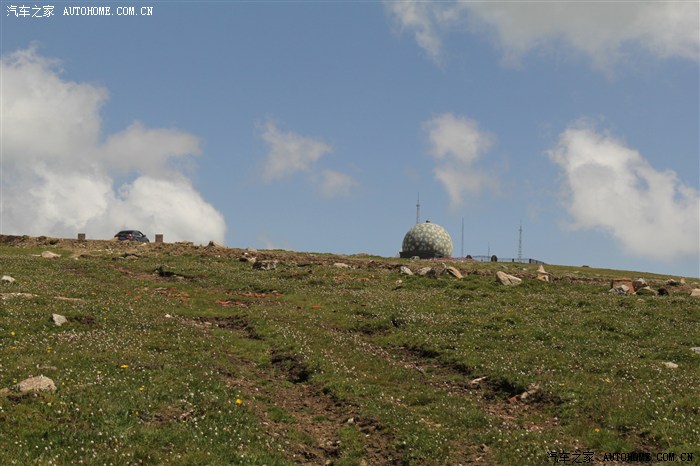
(290,153)
(601,31)
(58,173)
(611,187)
(456,143)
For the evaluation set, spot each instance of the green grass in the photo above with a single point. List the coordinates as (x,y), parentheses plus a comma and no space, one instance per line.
(212,362)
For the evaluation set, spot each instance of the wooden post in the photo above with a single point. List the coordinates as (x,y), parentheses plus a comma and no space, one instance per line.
(81,236)
(159,238)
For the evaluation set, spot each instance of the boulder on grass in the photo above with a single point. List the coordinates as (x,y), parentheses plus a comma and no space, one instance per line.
(453,271)
(35,384)
(508,280)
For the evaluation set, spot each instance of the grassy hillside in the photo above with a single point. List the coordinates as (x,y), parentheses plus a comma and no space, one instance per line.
(175,354)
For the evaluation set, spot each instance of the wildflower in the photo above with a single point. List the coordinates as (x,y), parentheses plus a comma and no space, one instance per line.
(239,401)
(124,366)
(12,333)
(141,388)
(597,429)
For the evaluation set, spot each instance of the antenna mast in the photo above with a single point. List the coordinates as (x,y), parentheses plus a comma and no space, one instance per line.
(418,209)
(462,251)
(520,242)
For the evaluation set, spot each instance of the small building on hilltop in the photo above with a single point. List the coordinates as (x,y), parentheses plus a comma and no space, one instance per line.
(427,241)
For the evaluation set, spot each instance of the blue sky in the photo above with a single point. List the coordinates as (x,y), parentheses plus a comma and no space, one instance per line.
(312,126)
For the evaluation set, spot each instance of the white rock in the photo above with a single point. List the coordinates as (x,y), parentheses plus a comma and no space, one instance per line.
(671,365)
(696,350)
(508,280)
(265,265)
(35,384)
(405,270)
(341,265)
(639,283)
(541,269)
(695,293)
(58,319)
(7,279)
(454,272)
(424,271)
(50,255)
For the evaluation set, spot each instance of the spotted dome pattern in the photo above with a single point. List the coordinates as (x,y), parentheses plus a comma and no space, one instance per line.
(427,240)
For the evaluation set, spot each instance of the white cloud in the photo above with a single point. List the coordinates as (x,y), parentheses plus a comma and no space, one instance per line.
(290,153)
(599,30)
(417,16)
(612,187)
(58,177)
(456,143)
(334,184)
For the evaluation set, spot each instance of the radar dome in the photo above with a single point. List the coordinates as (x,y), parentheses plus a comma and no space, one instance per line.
(427,240)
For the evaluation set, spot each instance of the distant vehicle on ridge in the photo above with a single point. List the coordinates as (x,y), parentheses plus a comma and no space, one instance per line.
(131,235)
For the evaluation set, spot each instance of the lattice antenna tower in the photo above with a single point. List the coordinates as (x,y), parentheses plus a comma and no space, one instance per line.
(418,210)
(520,242)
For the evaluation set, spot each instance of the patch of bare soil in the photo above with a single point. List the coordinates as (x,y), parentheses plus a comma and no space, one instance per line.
(318,417)
(304,418)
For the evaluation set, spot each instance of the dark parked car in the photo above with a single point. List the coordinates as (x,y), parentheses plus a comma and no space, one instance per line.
(131,235)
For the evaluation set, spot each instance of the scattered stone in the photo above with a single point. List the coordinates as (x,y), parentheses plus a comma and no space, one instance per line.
(532,390)
(639,283)
(673,282)
(696,350)
(249,259)
(35,384)
(50,255)
(663,292)
(695,293)
(543,277)
(453,271)
(214,244)
(618,283)
(423,271)
(415,258)
(541,269)
(671,365)
(405,270)
(341,265)
(351,420)
(252,250)
(58,319)
(476,382)
(265,265)
(620,289)
(682,281)
(46,368)
(7,279)
(508,280)
(646,291)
